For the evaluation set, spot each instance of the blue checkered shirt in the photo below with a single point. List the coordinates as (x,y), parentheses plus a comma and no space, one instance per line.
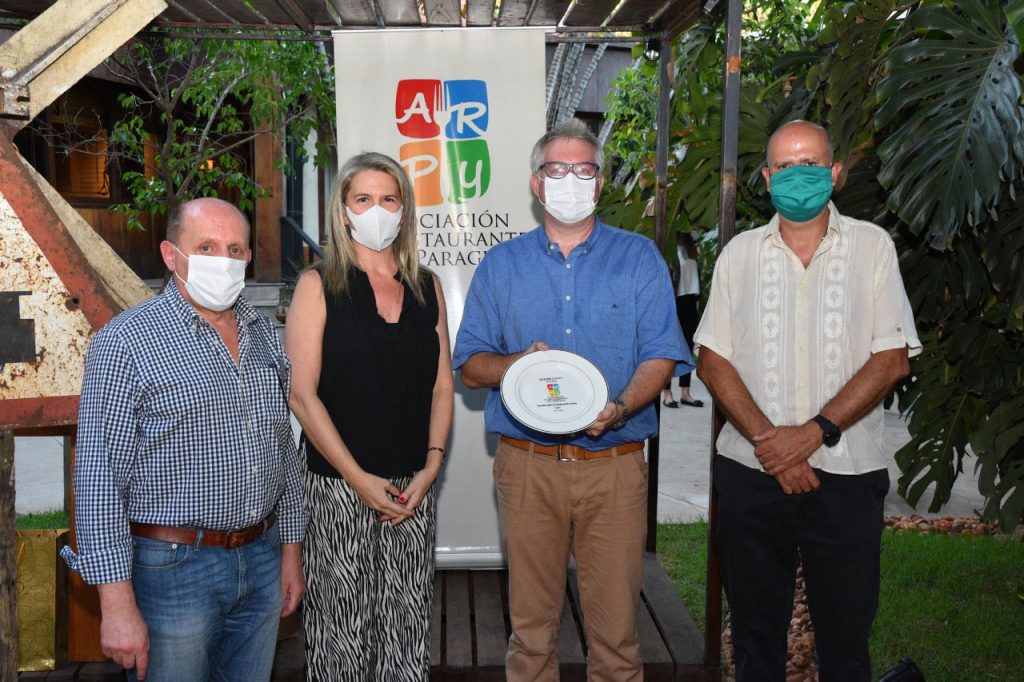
(172,432)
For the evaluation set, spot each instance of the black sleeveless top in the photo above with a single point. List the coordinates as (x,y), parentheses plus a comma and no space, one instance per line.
(377,379)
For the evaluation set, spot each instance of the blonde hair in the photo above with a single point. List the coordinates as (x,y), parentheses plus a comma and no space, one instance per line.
(340,256)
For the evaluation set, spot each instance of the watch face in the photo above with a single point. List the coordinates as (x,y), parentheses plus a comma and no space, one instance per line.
(831,436)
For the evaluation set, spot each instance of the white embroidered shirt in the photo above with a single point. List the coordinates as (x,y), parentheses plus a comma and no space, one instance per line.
(797,335)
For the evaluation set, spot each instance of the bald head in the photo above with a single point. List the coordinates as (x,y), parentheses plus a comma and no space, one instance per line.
(197,211)
(800,135)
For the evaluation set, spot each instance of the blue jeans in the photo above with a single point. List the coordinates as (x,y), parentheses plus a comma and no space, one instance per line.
(212,613)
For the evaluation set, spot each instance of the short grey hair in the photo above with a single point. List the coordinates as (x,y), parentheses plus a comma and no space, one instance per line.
(820,128)
(573,129)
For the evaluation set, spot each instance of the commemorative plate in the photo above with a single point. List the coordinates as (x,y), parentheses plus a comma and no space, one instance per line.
(554,391)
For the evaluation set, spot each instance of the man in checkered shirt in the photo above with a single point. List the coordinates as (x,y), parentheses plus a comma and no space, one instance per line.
(188,497)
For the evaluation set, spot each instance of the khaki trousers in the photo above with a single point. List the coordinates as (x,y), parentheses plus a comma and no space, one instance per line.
(595,509)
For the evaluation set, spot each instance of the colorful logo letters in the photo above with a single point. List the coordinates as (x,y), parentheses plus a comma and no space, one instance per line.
(445,121)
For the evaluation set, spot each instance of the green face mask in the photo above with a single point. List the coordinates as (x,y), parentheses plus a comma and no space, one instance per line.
(799,193)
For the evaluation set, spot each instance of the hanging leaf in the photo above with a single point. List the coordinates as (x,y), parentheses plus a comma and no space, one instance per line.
(952,96)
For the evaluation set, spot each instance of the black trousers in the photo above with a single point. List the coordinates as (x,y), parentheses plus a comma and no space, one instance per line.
(762,536)
(686,311)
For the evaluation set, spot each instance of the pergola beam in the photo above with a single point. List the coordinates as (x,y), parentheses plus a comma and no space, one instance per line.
(58,48)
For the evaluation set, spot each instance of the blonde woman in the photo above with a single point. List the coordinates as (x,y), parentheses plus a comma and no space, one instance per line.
(372,388)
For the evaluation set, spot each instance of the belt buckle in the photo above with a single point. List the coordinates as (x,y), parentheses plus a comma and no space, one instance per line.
(558,452)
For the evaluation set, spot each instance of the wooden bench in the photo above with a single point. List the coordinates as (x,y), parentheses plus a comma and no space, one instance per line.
(470,629)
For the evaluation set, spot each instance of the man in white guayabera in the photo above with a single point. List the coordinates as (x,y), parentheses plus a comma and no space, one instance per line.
(807,328)
(578,285)
(188,497)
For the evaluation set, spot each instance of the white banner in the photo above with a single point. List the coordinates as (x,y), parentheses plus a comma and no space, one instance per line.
(461,110)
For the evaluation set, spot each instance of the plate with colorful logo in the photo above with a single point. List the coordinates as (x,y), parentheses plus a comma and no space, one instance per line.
(554,391)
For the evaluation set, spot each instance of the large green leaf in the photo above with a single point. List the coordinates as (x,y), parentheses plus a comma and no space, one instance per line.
(952,99)
(857,30)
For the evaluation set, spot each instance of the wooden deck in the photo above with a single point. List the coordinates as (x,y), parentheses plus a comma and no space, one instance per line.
(470,629)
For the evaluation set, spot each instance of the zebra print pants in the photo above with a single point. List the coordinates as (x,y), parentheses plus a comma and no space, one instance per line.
(369,587)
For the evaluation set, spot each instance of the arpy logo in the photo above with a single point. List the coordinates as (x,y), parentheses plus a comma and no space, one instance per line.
(447,120)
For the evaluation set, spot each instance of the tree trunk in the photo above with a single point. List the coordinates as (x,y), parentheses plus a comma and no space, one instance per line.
(8,563)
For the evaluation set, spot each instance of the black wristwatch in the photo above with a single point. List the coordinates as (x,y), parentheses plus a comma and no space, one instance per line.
(830,433)
(625,414)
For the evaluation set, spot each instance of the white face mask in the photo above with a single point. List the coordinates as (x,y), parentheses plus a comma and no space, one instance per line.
(376,227)
(569,199)
(214,282)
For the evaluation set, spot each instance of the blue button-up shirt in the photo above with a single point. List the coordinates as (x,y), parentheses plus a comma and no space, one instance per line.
(610,301)
(172,432)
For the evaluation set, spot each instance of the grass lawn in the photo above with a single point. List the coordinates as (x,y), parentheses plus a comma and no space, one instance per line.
(43,520)
(950,602)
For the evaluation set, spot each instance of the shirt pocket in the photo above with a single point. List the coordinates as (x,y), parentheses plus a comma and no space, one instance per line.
(269,383)
(610,325)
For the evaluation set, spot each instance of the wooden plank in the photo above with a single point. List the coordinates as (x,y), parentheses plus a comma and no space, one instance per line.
(400,12)
(443,12)
(640,12)
(489,617)
(458,629)
(8,561)
(355,12)
(479,12)
(101,672)
(588,13)
(652,650)
(513,12)
(548,12)
(436,624)
(683,640)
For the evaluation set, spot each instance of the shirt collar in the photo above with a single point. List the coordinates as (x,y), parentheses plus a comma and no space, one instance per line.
(548,246)
(244,312)
(832,231)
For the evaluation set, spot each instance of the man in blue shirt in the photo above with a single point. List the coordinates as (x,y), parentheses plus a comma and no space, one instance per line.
(189,506)
(577,285)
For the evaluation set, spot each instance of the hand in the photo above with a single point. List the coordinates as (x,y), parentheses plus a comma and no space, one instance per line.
(782,447)
(534,347)
(124,636)
(378,494)
(798,479)
(293,584)
(606,418)
(417,489)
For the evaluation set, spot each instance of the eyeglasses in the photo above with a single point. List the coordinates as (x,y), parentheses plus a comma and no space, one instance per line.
(557,169)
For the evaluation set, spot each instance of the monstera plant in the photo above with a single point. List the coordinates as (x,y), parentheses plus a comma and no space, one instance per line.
(923,100)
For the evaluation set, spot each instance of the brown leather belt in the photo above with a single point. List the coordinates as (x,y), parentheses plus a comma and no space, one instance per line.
(571,453)
(228,539)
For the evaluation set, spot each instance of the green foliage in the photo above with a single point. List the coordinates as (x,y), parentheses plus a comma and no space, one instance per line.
(58,518)
(198,103)
(949,602)
(923,100)
(683,552)
(953,603)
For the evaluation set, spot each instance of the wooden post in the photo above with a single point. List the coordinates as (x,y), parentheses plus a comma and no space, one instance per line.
(266,232)
(660,196)
(726,230)
(8,563)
